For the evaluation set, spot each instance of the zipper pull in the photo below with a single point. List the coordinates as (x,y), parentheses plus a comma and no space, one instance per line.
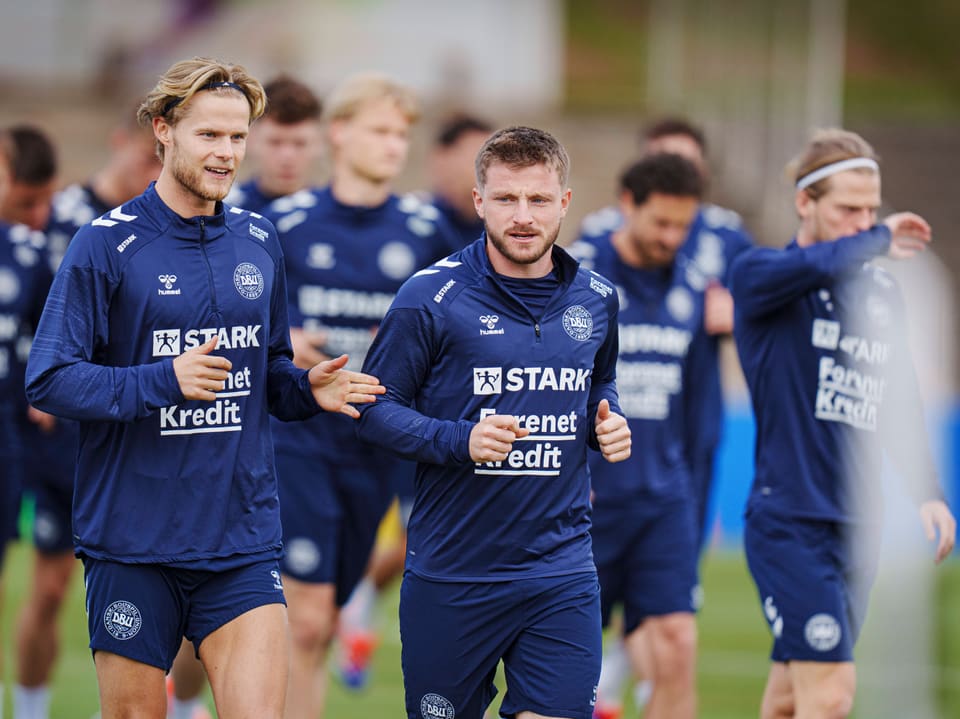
(536,328)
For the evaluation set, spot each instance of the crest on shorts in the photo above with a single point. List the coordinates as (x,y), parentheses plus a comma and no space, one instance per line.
(434,706)
(822,632)
(122,620)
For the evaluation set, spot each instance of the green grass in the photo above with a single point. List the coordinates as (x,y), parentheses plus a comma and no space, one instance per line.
(732,663)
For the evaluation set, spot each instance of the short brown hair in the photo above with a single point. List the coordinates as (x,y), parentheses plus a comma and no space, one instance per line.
(522,147)
(290,101)
(826,147)
(188,77)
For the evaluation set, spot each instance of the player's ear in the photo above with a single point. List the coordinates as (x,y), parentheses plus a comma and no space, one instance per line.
(478,202)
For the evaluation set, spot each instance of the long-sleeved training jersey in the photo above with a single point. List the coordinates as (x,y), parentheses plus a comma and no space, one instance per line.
(822,342)
(161,479)
(344,265)
(665,362)
(457,346)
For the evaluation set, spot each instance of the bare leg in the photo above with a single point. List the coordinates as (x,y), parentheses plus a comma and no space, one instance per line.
(666,647)
(38,631)
(129,689)
(247,660)
(313,620)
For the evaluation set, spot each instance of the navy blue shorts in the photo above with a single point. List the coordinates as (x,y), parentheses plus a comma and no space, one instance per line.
(646,556)
(11,485)
(142,611)
(812,586)
(330,514)
(546,631)
(52,524)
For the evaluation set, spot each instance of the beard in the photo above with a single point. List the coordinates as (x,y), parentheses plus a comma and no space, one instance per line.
(192,179)
(523,255)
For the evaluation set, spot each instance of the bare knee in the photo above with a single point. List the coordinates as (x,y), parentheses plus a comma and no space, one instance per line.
(673,639)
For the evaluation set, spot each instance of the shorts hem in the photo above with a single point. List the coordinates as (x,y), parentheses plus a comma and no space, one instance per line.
(233,614)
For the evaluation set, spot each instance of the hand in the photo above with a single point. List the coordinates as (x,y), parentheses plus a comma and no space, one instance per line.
(493,436)
(613,434)
(910,234)
(717,310)
(937,519)
(337,390)
(46,422)
(305,344)
(200,374)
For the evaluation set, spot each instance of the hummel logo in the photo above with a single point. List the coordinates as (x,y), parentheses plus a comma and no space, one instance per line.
(168,281)
(489,320)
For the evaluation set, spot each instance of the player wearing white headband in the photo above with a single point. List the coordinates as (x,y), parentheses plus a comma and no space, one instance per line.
(821,337)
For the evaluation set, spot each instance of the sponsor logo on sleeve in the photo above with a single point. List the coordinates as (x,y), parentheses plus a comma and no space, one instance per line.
(258,232)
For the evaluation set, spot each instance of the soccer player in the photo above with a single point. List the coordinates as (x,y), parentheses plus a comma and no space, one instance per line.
(33,168)
(644,520)
(284,144)
(450,169)
(501,362)
(348,247)
(131,166)
(821,338)
(716,237)
(165,333)
(25,276)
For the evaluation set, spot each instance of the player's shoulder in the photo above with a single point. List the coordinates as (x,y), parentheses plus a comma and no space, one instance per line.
(72,207)
(600,223)
(27,247)
(437,286)
(252,225)
(419,214)
(716,217)
(291,211)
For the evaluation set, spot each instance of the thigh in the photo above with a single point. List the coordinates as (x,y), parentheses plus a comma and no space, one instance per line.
(803,591)
(661,564)
(247,661)
(221,597)
(452,636)
(129,688)
(134,611)
(553,666)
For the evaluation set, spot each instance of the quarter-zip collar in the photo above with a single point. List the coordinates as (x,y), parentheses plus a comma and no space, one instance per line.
(185,228)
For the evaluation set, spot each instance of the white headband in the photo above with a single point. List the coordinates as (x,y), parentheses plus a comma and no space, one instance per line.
(834,167)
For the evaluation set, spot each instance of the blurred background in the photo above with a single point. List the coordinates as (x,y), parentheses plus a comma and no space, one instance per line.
(757,75)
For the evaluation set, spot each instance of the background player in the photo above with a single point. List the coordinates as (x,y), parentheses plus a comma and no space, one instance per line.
(131,166)
(25,276)
(285,145)
(347,248)
(822,341)
(644,519)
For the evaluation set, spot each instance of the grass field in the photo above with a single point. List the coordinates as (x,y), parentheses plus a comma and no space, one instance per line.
(732,665)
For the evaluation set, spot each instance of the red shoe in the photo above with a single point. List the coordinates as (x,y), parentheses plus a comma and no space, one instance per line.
(356,651)
(604,710)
